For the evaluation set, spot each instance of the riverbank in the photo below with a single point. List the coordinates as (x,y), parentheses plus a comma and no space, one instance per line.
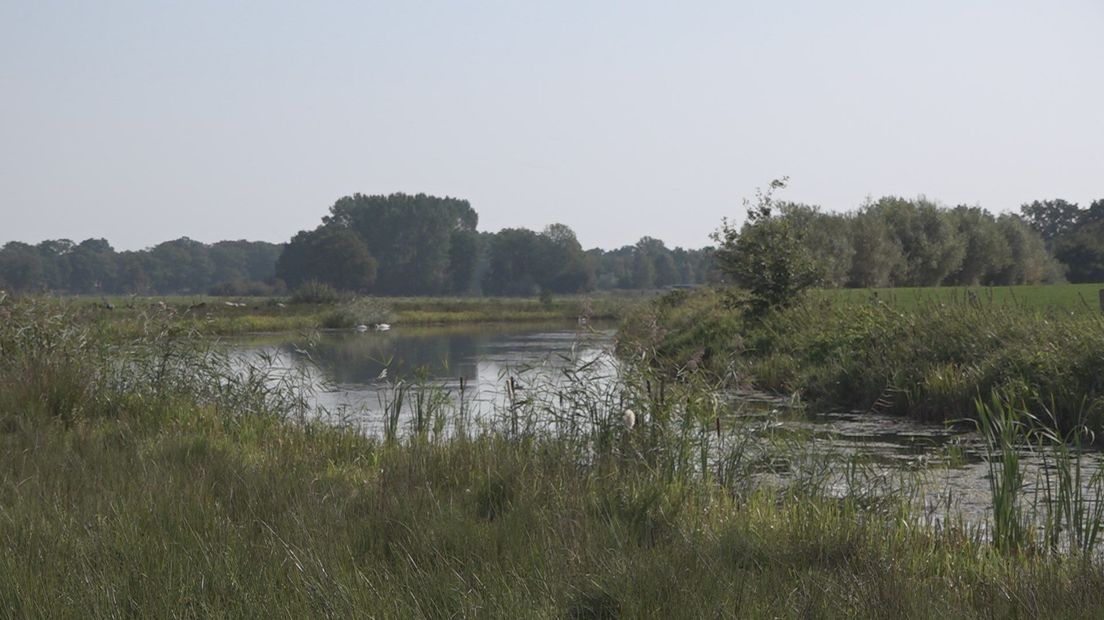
(160,479)
(126,316)
(930,358)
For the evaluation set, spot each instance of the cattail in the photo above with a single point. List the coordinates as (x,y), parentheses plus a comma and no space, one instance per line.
(628,419)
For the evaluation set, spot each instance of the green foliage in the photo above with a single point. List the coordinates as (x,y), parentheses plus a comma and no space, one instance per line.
(896,242)
(1052,219)
(522,262)
(359,311)
(1075,235)
(332,255)
(1082,250)
(928,354)
(183,486)
(94,267)
(650,264)
(767,256)
(315,292)
(411,237)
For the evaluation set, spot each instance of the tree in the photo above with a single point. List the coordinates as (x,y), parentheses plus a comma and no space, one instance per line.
(1095,213)
(21,267)
(181,266)
(767,255)
(56,265)
(563,266)
(329,254)
(410,237)
(1051,218)
(513,263)
(133,273)
(1082,250)
(643,271)
(931,246)
(987,251)
(1030,262)
(465,251)
(92,266)
(828,238)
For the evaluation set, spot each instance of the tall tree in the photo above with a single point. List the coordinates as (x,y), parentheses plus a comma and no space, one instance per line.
(564,267)
(328,254)
(410,236)
(92,267)
(22,267)
(1051,218)
(987,251)
(514,262)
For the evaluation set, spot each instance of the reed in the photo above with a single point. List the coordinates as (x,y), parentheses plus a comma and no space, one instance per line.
(928,360)
(158,477)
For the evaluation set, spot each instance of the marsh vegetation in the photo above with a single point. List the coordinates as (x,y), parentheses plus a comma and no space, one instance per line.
(158,475)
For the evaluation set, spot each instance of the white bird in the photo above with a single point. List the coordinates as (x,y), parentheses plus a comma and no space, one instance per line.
(628,419)
(382,327)
(362,328)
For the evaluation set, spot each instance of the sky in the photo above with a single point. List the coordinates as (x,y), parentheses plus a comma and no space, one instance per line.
(146,121)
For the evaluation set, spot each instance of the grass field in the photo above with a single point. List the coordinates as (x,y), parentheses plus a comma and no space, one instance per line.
(927,353)
(224,316)
(1073,297)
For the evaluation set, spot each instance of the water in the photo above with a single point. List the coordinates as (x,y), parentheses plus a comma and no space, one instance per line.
(352,375)
(942,467)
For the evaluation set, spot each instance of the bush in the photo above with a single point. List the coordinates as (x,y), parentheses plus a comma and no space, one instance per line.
(360,311)
(315,292)
(767,255)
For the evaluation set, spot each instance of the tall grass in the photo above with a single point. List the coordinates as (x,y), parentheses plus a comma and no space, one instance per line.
(158,478)
(929,361)
(1005,431)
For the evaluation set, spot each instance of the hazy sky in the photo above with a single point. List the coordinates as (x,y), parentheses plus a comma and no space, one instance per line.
(145,121)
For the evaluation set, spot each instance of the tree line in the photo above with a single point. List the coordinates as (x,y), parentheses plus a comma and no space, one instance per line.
(179,266)
(397,244)
(1074,235)
(402,244)
(895,242)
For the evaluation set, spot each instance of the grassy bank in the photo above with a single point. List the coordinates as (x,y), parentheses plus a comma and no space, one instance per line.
(127,316)
(930,358)
(1070,297)
(159,479)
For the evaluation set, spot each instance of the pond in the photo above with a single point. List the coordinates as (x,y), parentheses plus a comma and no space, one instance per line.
(352,375)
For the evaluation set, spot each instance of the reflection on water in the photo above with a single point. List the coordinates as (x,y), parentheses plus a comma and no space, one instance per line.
(352,373)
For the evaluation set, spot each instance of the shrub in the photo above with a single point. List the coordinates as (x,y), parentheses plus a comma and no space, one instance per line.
(359,311)
(315,292)
(767,255)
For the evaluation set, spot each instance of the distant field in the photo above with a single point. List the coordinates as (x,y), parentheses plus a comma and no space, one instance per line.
(127,315)
(1074,297)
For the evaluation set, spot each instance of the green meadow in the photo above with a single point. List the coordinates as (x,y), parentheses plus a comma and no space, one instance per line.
(1072,297)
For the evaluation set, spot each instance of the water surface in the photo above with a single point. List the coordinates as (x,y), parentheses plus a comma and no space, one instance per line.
(353,375)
